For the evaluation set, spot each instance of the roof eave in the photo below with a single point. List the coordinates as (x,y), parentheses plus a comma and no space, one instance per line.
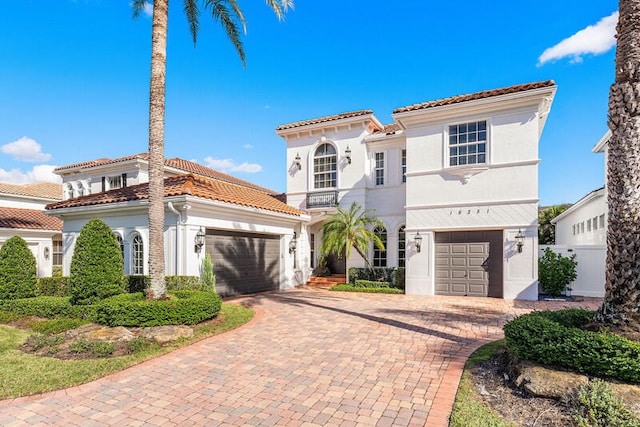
(601,145)
(364,118)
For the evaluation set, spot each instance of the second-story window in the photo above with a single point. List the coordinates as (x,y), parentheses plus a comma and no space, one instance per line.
(404,165)
(468,143)
(70,192)
(379,169)
(324,167)
(80,189)
(115,182)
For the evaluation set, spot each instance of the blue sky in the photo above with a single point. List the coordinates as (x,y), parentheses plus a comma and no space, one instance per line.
(74,78)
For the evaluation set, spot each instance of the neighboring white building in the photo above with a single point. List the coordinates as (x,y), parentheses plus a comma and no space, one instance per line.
(460,173)
(21,214)
(246,229)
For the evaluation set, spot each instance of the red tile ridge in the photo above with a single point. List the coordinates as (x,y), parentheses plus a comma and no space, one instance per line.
(475,96)
(28,219)
(325,119)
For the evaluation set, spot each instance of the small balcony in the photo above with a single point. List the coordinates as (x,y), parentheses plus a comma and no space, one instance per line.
(323,199)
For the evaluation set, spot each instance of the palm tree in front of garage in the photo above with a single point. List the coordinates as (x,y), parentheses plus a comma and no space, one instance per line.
(229,15)
(351,229)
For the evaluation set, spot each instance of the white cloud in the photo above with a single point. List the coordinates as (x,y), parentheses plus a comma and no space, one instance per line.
(228,165)
(247,146)
(38,173)
(26,149)
(595,39)
(148,9)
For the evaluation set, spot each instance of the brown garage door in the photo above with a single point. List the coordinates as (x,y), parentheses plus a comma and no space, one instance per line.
(469,263)
(244,262)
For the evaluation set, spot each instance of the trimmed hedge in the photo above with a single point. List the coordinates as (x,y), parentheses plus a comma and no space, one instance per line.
(46,306)
(358,273)
(97,268)
(553,339)
(372,284)
(53,286)
(399,274)
(185,308)
(351,288)
(174,283)
(17,269)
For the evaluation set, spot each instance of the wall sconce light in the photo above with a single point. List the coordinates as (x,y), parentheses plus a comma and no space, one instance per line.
(199,240)
(293,244)
(347,154)
(418,241)
(298,161)
(46,252)
(520,240)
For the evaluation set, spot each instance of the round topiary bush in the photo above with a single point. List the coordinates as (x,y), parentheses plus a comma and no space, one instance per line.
(97,268)
(17,270)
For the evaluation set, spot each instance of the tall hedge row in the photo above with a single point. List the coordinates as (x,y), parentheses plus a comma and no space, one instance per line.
(97,268)
(17,269)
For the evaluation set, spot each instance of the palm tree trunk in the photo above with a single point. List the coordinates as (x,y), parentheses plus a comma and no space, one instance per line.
(156,148)
(622,292)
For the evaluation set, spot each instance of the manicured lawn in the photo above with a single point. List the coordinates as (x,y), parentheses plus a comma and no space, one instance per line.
(24,374)
(351,288)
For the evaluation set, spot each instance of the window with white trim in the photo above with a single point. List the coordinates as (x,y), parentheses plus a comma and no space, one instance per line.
(137,255)
(121,243)
(404,165)
(602,221)
(312,248)
(325,167)
(115,182)
(594,221)
(380,256)
(401,246)
(56,256)
(468,143)
(379,169)
(589,224)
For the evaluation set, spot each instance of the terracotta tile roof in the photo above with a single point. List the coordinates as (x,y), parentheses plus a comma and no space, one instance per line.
(325,119)
(389,129)
(28,219)
(45,190)
(475,96)
(182,185)
(183,165)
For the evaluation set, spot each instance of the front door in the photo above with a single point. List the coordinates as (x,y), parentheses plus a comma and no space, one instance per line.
(337,264)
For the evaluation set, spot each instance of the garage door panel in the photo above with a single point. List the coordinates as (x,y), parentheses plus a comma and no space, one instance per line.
(459,288)
(460,268)
(459,248)
(458,274)
(477,275)
(458,262)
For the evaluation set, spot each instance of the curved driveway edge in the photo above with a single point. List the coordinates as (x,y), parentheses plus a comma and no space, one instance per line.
(309,357)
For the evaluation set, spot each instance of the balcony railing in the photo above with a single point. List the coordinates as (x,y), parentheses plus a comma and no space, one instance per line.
(323,199)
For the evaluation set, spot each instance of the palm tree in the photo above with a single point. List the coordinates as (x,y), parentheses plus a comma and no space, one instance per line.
(228,13)
(546,230)
(622,291)
(351,229)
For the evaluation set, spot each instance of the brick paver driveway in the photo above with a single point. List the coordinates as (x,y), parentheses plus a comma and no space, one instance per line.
(311,357)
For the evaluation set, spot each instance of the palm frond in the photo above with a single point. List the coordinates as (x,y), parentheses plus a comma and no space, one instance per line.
(192,12)
(280,7)
(220,12)
(138,7)
(239,14)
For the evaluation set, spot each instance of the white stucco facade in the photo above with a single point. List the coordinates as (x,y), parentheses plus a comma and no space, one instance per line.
(498,194)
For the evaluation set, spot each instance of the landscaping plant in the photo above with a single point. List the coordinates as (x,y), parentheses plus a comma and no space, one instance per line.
(208,278)
(17,269)
(556,272)
(97,268)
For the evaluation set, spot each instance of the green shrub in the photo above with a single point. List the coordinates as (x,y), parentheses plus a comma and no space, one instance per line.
(399,274)
(49,307)
(55,326)
(538,336)
(139,344)
(556,272)
(56,271)
(97,270)
(17,269)
(350,288)
(40,341)
(185,308)
(137,284)
(372,284)
(80,346)
(598,406)
(208,278)
(570,317)
(53,287)
(102,348)
(184,283)
(376,274)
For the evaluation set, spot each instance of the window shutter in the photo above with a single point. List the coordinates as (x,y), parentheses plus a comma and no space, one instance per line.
(124,179)
(104,184)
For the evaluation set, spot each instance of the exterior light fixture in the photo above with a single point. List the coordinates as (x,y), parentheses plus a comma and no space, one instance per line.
(293,244)
(199,240)
(46,252)
(418,241)
(347,154)
(298,161)
(520,240)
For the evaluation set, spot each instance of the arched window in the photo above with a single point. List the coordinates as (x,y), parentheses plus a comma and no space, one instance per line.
(121,243)
(137,255)
(380,256)
(401,246)
(324,167)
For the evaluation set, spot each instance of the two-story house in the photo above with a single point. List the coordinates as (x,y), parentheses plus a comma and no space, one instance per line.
(455,182)
(247,230)
(21,214)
